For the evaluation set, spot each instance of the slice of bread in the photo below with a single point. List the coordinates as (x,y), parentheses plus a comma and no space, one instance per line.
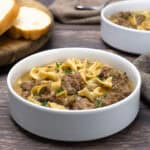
(8,12)
(31,24)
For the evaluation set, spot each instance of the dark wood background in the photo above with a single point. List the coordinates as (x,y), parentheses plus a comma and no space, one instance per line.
(12,137)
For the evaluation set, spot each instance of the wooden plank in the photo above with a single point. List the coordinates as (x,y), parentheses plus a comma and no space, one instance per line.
(14,49)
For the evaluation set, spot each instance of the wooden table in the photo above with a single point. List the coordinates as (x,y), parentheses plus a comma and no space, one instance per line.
(12,137)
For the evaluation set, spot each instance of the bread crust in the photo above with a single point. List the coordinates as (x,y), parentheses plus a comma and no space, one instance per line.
(28,34)
(17,33)
(10,17)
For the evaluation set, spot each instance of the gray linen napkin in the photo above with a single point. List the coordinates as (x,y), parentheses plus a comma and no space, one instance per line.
(143,64)
(65,12)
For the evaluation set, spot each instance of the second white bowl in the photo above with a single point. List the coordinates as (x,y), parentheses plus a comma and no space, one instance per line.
(123,38)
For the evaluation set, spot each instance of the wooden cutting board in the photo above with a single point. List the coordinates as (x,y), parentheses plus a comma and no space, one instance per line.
(12,50)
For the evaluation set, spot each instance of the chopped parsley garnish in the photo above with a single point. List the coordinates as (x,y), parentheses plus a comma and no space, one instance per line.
(125,17)
(105,95)
(49,66)
(59,90)
(98,102)
(98,77)
(67,70)
(44,103)
(114,77)
(58,66)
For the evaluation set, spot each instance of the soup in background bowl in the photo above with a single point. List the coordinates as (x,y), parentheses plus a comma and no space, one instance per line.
(124,34)
(132,19)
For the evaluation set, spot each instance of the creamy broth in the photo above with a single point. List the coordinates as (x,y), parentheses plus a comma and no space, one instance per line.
(134,19)
(74,84)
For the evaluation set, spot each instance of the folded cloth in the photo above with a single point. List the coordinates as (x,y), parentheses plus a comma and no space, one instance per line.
(65,12)
(143,64)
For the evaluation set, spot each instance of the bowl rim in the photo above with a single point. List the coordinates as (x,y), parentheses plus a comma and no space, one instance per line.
(87,111)
(114,4)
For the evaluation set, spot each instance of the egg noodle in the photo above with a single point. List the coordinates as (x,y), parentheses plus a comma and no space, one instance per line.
(134,19)
(50,77)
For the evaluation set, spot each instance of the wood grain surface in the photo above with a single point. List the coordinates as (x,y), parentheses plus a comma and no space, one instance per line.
(12,137)
(14,49)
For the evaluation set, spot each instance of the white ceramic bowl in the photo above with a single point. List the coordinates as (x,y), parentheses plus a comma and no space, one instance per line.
(74,125)
(123,38)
